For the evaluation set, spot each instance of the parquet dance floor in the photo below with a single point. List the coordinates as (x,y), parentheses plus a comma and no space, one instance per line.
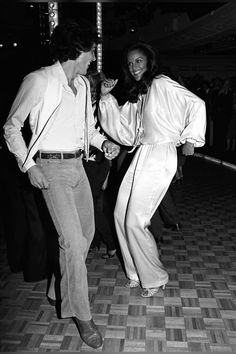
(195,312)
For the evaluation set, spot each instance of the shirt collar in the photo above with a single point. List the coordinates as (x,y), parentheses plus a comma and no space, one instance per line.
(62,76)
(78,80)
(61,73)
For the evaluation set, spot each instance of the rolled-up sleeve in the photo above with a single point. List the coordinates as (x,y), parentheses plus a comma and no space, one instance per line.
(26,99)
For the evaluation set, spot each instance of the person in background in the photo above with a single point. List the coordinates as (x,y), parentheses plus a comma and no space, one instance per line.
(25,222)
(165,215)
(57,101)
(179,176)
(97,168)
(159,115)
(231,129)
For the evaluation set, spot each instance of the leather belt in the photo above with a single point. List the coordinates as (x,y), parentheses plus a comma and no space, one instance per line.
(59,155)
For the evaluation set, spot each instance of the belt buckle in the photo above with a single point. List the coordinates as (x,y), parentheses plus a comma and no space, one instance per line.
(54,155)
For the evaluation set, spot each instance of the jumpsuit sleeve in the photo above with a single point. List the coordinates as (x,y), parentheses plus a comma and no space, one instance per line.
(195,119)
(119,122)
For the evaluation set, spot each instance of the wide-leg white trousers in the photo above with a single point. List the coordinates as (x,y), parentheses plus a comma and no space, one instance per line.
(141,191)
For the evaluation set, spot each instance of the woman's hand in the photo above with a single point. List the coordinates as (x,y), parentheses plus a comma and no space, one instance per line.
(111,150)
(188,149)
(107,85)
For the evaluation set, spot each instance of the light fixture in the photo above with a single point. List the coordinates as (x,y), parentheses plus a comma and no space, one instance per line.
(99,33)
(52,15)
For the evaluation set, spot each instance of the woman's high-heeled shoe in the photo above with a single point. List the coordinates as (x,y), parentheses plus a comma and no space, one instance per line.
(109,254)
(132,283)
(149,292)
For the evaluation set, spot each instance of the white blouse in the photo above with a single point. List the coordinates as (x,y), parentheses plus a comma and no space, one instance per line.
(167,113)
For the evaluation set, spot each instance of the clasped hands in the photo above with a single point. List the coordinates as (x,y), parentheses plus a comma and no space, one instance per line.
(110,149)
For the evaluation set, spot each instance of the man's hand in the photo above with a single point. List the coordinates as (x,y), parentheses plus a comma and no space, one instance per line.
(37,178)
(107,85)
(110,149)
(188,149)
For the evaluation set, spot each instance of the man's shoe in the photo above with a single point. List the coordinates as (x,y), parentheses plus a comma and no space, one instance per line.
(89,333)
(109,254)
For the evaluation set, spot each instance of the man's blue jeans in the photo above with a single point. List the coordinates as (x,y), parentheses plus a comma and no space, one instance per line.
(69,201)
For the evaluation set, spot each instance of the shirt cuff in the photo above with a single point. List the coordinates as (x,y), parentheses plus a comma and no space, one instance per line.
(190,140)
(27,165)
(97,141)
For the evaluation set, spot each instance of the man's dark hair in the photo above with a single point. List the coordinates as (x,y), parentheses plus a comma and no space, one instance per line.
(70,38)
(135,88)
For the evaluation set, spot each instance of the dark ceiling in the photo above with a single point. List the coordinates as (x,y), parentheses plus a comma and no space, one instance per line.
(207,27)
(141,13)
(174,27)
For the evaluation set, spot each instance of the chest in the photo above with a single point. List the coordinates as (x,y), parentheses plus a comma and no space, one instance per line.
(73,89)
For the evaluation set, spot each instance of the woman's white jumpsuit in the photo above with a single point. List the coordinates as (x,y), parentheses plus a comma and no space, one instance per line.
(166,117)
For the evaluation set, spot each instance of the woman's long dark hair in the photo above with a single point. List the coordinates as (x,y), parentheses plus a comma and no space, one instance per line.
(135,88)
